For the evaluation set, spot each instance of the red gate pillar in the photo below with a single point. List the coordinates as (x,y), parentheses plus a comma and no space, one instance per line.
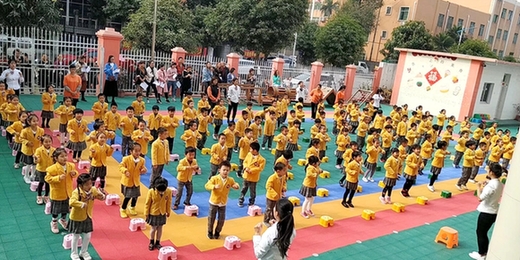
(350,75)
(109,43)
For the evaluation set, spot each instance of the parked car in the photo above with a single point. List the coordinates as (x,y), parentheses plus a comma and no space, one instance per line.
(326,80)
(362,67)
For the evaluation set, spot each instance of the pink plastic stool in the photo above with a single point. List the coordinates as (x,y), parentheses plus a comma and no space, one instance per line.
(116,147)
(83,164)
(47,208)
(112,199)
(232,242)
(67,241)
(97,183)
(34,185)
(174,157)
(55,133)
(192,210)
(167,253)
(254,211)
(137,223)
(14,152)
(174,191)
(4,133)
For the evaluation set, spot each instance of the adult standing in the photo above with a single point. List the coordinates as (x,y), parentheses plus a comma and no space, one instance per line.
(301,91)
(341,94)
(43,70)
(140,76)
(171,78)
(224,71)
(207,75)
(60,69)
(187,75)
(251,77)
(231,75)
(275,241)
(13,77)
(151,80)
(316,97)
(377,97)
(180,66)
(276,79)
(83,70)
(162,80)
(213,92)
(111,73)
(233,96)
(488,193)
(72,84)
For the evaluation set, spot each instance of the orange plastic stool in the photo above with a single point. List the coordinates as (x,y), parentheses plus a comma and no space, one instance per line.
(448,236)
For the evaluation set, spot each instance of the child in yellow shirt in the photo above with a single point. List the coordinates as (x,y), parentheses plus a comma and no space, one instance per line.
(127,124)
(157,209)
(342,142)
(438,163)
(254,164)
(218,116)
(230,139)
(99,152)
(269,131)
(112,120)
(203,103)
(14,130)
(185,170)
(244,148)
(426,151)
(139,106)
(219,153)
(373,153)
(240,126)
(294,132)
(100,108)
(467,165)
(413,164)
(480,156)
(347,157)
(256,126)
(219,186)
(391,175)
(48,101)
(142,136)
(292,117)
(189,114)
(300,114)
(309,185)
(160,155)
(460,148)
(171,123)
(186,100)
(508,152)
(324,139)
(204,119)
(154,121)
(31,140)
(352,171)
(191,136)
(65,112)
(281,142)
(77,129)
(43,159)
(362,130)
(387,138)
(275,187)
(131,169)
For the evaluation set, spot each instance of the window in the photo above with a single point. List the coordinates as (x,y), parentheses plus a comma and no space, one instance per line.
(501,54)
(481,30)
(518,20)
(471,28)
(504,13)
(491,39)
(499,34)
(449,23)
(495,18)
(485,96)
(495,51)
(440,20)
(506,34)
(388,10)
(383,35)
(510,15)
(515,38)
(460,22)
(511,54)
(403,13)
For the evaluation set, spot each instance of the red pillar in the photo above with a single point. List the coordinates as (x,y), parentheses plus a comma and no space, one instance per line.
(316,68)
(233,62)
(178,52)
(277,65)
(350,75)
(377,78)
(109,43)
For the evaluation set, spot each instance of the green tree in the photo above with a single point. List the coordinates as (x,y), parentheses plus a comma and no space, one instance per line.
(97,12)
(174,26)
(306,43)
(363,12)
(120,10)
(412,34)
(340,41)
(510,59)
(474,47)
(263,26)
(43,14)
(442,42)
(329,7)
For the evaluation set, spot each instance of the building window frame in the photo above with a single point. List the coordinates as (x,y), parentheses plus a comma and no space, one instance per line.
(402,13)
(449,22)
(471,29)
(384,34)
(515,38)
(440,20)
(388,10)
(487,91)
(499,34)
(505,35)
(495,18)
(503,13)
(460,22)
(491,39)
(481,30)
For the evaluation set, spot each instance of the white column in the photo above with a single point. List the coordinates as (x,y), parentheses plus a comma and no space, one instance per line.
(505,241)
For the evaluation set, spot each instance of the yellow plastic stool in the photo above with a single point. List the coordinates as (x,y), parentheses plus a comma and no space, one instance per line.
(325,175)
(299,147)
(234,167)
(290,176)
(205,151)
(302,162)
(294,200)
(273,151)
(326,221)
(422,200)
(322,192)
(448,236)
(381,184)
(359,188)
(368,214)
(325,159)
(398,207)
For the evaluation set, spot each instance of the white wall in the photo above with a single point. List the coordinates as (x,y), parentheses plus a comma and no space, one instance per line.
(388,75)
(494,73)
(446,92)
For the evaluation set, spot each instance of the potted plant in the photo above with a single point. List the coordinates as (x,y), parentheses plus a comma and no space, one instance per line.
(517,107)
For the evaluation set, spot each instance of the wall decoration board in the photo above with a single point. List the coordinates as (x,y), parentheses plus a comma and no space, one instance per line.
(435,82)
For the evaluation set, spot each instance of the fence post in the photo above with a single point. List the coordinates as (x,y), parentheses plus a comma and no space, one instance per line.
(350,75)
(109,43)
(316,68)
(277,66)
(377,78)
(178,52)
(233,62)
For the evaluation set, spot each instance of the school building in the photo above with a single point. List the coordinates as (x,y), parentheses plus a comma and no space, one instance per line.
(464,85)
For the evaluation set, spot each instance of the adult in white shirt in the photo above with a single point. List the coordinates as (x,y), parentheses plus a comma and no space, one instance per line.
(275,241)
(301,91)
(13,77)
(488,193)
(378,98)
(151,73)
(233,96)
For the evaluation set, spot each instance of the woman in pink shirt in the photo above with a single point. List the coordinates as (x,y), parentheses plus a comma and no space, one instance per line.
(171,80)
(162,78)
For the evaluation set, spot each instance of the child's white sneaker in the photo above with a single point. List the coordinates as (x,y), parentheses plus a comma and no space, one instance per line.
(388,200)
(39,200)
(458,187)
(476,256)
(431,188)
(472,181)
(63,223)
(338,166)
(382,199)
(17,166)
(365,179)
(464,187)
(54,227)
(371,179)
(86,256)
(75,256)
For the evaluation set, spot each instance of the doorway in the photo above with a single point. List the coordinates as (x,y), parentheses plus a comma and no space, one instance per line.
(502,97)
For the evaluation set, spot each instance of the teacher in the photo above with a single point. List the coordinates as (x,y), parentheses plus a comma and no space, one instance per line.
(341,94)
(111,73)
(13,78)
(316,97)
(488,193)
(275,241)
(213,92)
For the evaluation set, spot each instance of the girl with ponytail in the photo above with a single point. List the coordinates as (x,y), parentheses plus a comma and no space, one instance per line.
(275,241)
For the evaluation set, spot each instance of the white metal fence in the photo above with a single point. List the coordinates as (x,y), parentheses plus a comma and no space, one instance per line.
(44,56)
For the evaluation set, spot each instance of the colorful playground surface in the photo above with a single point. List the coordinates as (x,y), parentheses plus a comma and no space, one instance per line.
(391,235)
